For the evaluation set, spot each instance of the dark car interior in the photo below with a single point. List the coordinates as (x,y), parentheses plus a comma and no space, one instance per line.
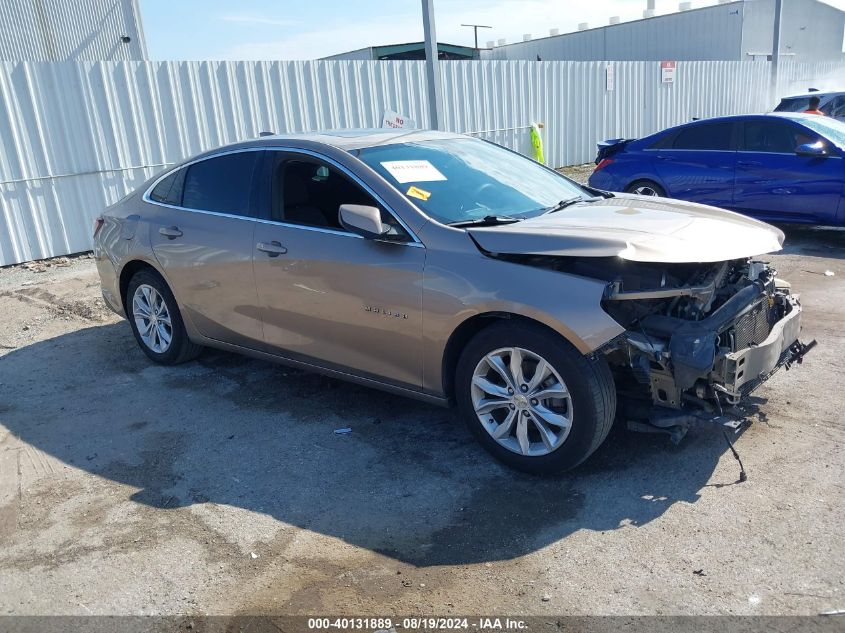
(310,193)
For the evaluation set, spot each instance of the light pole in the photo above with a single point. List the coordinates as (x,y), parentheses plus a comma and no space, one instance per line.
(432,67)
(475,28)
(776,50)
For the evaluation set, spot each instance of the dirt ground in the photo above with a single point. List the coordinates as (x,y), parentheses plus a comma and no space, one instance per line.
(220,486)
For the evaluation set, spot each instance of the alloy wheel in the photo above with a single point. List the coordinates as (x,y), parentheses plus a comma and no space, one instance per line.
(152,318)
(521,401)
(645,190)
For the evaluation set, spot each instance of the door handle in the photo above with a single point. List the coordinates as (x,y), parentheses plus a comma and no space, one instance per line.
(667,158)
(170,232)
(749,163)
(273,249)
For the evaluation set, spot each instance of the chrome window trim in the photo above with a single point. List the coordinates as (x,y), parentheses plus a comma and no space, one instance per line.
(756,151)
(281,148)
(146,196)
(672,149)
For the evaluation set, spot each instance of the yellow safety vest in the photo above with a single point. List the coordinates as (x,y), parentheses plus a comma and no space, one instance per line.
(537,144)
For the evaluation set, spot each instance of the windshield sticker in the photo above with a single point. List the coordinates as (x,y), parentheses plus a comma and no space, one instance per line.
(415,192)
(412,171)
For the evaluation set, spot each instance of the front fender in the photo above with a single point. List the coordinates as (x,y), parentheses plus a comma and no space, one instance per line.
(458,286)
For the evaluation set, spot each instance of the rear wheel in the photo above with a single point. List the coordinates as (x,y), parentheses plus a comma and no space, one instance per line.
(156,321)
(532,400)
(646,188)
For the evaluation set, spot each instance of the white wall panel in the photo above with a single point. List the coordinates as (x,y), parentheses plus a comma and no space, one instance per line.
(77,136)
(53,30)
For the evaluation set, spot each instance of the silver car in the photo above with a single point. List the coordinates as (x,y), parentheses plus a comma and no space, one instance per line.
(453,270)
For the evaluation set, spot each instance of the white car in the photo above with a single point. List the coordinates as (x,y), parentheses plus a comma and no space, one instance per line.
(831,103)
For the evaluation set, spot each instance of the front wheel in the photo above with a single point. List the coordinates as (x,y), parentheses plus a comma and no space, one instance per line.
(646,188)
(532,400)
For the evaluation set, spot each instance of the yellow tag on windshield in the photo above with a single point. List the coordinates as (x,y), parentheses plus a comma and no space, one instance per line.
(416,192)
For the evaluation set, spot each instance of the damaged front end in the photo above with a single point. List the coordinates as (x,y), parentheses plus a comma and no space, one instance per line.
(699,339)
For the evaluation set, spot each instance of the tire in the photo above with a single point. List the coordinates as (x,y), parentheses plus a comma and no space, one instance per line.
(180,348)
(588,382)
(640,186)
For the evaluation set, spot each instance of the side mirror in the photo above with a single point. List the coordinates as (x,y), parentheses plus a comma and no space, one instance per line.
(815,150)
(362,220)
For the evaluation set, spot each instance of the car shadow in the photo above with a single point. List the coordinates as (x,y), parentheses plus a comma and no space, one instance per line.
(407,481)
(813,241)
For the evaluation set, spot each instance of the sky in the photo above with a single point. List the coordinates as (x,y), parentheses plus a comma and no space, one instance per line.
(296,29)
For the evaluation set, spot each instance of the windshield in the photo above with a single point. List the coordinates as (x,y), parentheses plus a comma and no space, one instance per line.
(465,179)
(830,128)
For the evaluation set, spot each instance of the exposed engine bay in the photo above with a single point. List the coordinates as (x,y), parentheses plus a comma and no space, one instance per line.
(699,337)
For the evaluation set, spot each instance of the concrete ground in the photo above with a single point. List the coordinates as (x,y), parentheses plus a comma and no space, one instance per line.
(220,486)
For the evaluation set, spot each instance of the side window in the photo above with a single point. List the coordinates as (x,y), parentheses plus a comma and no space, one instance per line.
(169,190)
(309,192)
(222,183)
(836,107)
(705,136)
(769,137)
(665,141)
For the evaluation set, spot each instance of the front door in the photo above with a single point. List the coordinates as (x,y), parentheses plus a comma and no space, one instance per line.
(201,231)
(327,295)
(774,183)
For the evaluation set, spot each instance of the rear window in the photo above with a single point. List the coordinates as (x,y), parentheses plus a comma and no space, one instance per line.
(707,136)
(169,190)
(797,104)
(222,183)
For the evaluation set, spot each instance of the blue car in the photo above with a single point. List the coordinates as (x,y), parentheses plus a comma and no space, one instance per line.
(781,167)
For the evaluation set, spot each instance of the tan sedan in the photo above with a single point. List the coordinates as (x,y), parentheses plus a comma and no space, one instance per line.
(450,269)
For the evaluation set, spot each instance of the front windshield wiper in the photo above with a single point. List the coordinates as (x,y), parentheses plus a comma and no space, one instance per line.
(568,203)
(598,192)
(487,220)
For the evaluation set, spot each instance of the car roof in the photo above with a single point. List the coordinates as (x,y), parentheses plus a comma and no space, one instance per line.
(798,117)
(351,139)
(815,93)
(795,116)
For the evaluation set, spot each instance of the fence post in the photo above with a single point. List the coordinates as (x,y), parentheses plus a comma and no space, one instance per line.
(776,52)
(432,67)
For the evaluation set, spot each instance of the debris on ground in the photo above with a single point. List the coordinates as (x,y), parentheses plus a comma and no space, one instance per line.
(343,431)
(829,273)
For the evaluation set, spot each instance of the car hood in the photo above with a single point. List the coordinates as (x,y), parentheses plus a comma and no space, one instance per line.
(637,228)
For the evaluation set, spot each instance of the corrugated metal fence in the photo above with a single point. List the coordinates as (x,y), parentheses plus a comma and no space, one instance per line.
(77,136)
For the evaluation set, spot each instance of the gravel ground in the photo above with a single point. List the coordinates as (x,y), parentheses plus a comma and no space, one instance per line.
(220,487)
(578,173)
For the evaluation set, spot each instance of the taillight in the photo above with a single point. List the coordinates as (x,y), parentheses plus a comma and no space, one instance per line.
(604,162)
(98,224)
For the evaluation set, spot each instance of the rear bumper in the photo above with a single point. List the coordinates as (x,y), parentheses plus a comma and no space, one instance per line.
(109,284)
(602,180)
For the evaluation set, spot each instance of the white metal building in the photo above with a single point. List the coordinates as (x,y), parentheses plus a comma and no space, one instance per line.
(77,30)
(811,31)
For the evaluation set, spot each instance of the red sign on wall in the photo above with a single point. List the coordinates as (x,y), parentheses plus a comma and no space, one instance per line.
(667,72)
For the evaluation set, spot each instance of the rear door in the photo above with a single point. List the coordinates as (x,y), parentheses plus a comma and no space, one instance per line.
(698,163)
(202,234)
(326,294)
(774,183)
